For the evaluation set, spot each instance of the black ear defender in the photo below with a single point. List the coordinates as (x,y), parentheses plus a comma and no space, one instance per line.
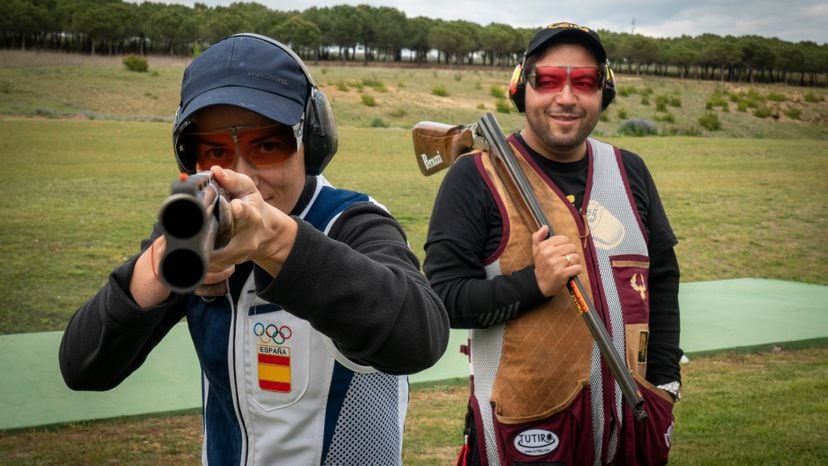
(607,85)
(517,86)
(319,134)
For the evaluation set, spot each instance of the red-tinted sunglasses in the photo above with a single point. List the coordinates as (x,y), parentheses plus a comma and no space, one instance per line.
(260,146)
(581,79)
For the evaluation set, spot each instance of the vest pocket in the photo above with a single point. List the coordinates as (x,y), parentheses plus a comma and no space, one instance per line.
(652,437)
(632,279)
(564,437)
(631,273)
(637,337)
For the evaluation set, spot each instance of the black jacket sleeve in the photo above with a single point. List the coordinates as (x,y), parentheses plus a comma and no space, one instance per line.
(362,287)
(465,226)
(110,335)
(665,324)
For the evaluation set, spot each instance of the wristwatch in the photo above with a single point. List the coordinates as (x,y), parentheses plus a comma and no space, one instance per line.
(673,388)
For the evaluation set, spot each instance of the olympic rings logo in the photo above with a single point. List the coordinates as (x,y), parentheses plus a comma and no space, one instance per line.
(272,333)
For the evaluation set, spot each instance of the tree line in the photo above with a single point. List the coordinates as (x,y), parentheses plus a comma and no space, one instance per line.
(384,34)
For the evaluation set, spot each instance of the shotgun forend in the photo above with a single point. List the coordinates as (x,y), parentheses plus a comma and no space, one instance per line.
(195,220)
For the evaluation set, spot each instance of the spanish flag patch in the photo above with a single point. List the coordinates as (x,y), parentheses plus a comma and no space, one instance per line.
(274,368)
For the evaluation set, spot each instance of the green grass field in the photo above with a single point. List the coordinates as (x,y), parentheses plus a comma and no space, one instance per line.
(86,152)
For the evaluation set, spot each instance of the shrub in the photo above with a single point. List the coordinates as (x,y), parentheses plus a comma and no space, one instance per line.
(753,93)
(5,87)
(622,113)
(717,100)
(378,122)
(503,106)
(761,112)
(498,92)
(667,118)
(661,103)
(340,85)
(368,100)
(793,113)
(675,101)
(371,82)
(46,112)
(458,76)
(777,97)
(710,121)
(645,99)
(135,63)
(752,98)
(813,98)
(440,91)
(637,127)
(398,113)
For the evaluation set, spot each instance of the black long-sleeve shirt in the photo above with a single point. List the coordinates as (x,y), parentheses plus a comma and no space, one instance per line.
(466,228)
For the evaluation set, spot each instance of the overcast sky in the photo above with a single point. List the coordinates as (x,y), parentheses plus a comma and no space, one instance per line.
(794,20)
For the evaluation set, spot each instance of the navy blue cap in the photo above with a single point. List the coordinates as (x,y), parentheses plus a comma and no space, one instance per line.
(557,32)
(249,72)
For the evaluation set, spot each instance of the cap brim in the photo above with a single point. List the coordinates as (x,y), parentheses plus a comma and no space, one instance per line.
(273,106)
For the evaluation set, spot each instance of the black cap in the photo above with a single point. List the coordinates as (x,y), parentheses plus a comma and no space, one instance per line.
(247,71)
(559,31)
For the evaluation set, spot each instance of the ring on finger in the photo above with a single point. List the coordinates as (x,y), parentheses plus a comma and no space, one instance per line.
(568,262)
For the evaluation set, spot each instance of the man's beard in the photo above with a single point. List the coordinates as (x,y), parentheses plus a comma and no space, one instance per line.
(560,141)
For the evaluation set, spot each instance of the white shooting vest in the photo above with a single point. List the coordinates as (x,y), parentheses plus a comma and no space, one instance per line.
(543,363)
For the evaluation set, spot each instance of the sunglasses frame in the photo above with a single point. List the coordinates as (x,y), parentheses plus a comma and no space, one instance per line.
(531,78)
(235,132)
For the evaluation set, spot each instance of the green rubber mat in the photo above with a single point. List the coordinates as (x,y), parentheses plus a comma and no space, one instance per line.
(717,315)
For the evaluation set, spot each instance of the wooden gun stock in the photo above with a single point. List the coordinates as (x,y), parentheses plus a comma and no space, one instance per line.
(438,145)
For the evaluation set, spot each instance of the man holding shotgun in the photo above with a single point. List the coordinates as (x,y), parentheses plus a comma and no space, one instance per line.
(315,309)
(542,391)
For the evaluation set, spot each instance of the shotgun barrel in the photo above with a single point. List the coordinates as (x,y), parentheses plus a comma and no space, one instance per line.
(195,220)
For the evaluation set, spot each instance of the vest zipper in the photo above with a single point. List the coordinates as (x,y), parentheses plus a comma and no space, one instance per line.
(232,369)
